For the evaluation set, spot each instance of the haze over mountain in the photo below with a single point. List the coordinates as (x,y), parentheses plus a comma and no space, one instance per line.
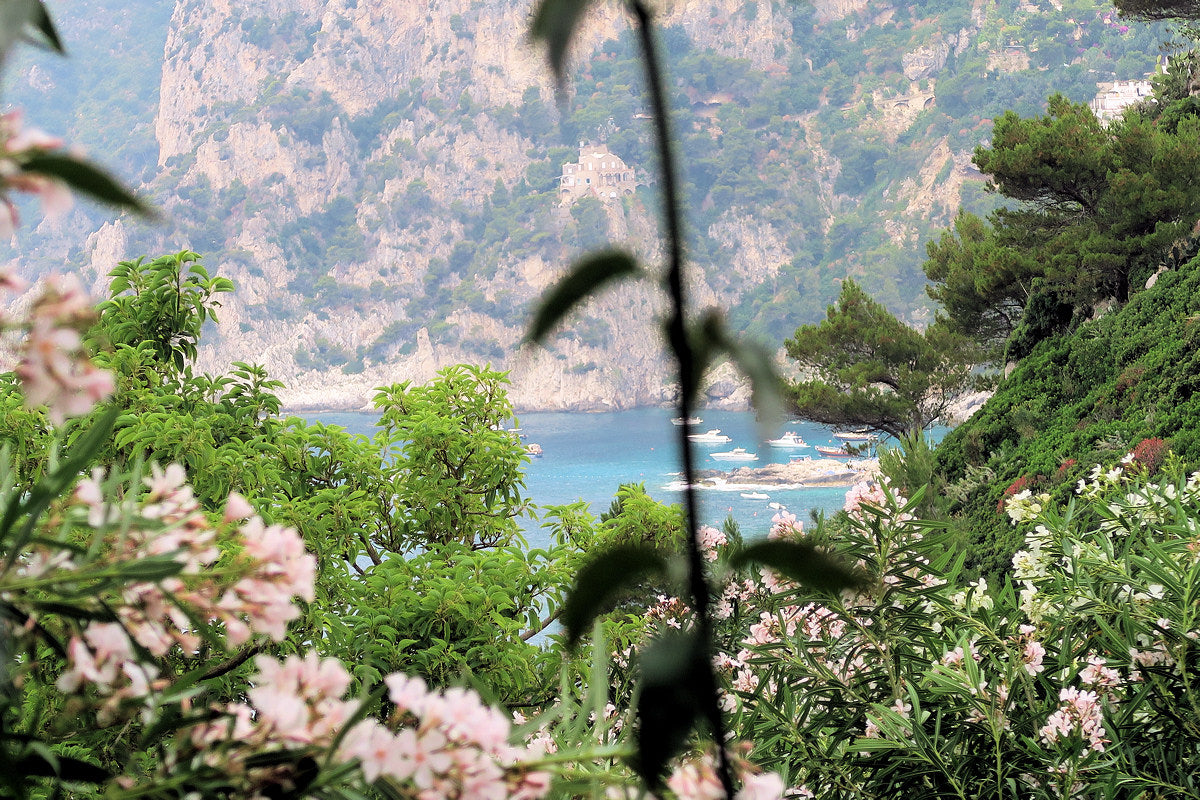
(381,178)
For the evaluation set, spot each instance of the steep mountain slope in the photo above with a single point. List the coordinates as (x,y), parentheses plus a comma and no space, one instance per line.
(379,178)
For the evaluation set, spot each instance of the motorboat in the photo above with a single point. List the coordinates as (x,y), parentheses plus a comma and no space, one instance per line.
(533,450)
(756,496)
(690,421)
(789,439)
(711,437)
(835,452)
(736,454)
(854,436)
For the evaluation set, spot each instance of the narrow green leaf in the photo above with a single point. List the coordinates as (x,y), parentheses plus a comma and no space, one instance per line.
(586,278)
(803,563)
(704,351)
(73,611)
(756,363)
(601,580)
(45,25)
(52,765)
(40,497)
(676,682)
(554,23)
(86,178)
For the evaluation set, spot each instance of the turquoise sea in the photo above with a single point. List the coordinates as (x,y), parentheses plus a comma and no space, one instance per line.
(587,456)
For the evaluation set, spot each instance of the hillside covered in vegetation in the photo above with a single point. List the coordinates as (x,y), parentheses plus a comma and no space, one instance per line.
(382,184)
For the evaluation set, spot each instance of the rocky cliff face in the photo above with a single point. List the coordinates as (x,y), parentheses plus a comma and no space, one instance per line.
(378,178)
(234,79)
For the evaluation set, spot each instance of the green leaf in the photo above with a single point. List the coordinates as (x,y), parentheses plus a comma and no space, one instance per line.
(86,178)
(45,25)
(53,485)
(756,363)
(554,23)
(802,562)
(704,350)
(51,765)
(151,569)
(586,278)
(676,683)
(601,580)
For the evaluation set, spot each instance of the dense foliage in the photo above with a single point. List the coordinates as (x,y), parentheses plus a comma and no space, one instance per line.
(1097,209)
(863,368)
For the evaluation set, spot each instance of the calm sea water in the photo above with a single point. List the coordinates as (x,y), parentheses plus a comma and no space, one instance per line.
(588,456)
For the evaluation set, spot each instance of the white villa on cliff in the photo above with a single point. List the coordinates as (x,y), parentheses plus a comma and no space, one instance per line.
(598,173)
(1114,97)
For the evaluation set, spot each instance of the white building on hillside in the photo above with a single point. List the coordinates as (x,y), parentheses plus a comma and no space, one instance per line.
(599,173)
(1115,97)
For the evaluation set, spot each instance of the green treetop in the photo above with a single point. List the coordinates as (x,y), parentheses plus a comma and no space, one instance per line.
(868,369)
(1097,209)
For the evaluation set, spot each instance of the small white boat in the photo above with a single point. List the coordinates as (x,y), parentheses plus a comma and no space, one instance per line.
(834,452)
(711,437)
(533,450)
(736,454)
(789,439)
(756,496)
(854,436)
(776,506)
(690,421)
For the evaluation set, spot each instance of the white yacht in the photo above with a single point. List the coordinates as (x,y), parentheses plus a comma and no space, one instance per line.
(789,439)
(736,454)
(711,437)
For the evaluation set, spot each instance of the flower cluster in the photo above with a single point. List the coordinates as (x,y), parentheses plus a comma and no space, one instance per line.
(54,369)
(254,593)
(449,745)
(296,702)
(696,779)
(710,540)
(1079,716)
(1025,506)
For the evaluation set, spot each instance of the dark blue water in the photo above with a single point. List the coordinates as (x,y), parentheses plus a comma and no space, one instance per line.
(588,456)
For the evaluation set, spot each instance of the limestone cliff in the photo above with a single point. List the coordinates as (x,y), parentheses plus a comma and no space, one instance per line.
(378,177)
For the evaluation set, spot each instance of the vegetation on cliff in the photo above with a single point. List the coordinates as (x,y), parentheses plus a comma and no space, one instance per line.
(362,192)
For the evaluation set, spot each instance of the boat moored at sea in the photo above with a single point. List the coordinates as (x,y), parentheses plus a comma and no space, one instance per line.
(855,436)
(690,421)
(736,454)
(533,450)
(789,439)
(835,452)
(756,496)
(713,436)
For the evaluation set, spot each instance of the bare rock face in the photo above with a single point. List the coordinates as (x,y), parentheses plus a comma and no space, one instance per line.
(925,62)
(828,10)
(275,116)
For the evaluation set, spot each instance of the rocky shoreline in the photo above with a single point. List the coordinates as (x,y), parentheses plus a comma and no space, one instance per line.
(793,475)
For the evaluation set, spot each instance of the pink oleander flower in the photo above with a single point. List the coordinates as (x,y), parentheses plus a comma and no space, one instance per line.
(54,370)
(1079,713)
(9,280)
(862,494)
(1099,675)
(710,539)
(784,525)
(1033,655)
(762,786)
(696,781)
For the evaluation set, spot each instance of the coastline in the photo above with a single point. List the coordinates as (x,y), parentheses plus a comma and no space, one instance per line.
(819,472)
